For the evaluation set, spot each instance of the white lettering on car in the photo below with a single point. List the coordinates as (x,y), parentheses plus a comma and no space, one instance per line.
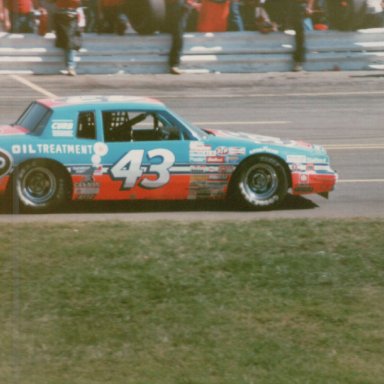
(52,149)
(130,168)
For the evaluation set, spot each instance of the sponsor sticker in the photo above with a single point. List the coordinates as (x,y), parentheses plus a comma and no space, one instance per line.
(222,151)
(52,149)
(236,151)
(296,159)
(62,128)
(215,159)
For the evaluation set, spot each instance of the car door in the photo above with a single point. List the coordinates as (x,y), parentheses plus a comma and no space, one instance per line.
(147,157)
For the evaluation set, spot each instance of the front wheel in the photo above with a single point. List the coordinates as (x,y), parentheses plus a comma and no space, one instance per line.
(40,187)
(261,183)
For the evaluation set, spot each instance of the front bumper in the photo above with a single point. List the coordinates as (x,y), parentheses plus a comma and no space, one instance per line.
(307,183)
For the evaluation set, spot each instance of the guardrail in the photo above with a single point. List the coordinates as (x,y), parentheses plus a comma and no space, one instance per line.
(228,52)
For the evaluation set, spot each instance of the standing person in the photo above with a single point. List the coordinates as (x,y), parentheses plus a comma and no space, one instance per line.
(49,8)
(3,26)
(178,12)
(112,17)
(214,16)
(297,12)
(22,18)
(374,14)
(68,35)
(235,22)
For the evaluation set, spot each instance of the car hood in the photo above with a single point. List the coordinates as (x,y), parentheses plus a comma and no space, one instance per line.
(266,140)
(8,130)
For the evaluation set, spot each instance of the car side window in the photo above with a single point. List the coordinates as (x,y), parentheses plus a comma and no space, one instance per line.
(145,126)
(137,126)
(86,127)
(116,126)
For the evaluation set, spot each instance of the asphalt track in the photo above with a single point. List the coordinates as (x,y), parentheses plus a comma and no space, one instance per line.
(341,110)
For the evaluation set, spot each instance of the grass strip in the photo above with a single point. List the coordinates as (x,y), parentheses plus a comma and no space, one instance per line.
(289,301)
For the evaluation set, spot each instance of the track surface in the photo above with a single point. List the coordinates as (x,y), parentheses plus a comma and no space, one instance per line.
(341,110)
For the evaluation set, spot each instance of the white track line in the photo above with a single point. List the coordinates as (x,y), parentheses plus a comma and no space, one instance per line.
(360,181)
(33,86)
(347,147)
(271,122)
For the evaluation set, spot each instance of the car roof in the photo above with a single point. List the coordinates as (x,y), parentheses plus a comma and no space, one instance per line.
(117,101)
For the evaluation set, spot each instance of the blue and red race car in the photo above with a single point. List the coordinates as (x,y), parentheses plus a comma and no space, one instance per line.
(135,148)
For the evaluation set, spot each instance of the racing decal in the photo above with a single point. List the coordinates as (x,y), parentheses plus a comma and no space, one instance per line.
(6,162)
(204,168)
(323,160)
(62,128)
(296,159)
(52,149)
(132,167)
(222,151)
(203,153)
(199,152)
(215,159)
(80,169)
(86,190)
(100,149)
(306,159)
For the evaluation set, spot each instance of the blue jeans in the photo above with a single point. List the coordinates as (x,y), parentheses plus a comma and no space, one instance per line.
(235,19)
(70,58)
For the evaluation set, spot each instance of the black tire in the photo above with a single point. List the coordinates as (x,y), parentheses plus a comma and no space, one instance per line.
(260,183)
(39,186)
(146,16)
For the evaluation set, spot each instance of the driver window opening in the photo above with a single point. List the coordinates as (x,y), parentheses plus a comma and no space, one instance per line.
(137,126)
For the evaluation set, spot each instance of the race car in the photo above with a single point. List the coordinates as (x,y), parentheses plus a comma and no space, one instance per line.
(136,148)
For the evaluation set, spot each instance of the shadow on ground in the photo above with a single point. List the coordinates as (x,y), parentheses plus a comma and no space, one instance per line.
(291,203)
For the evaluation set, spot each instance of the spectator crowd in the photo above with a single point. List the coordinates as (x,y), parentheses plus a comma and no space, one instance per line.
(110,16)
(69,18)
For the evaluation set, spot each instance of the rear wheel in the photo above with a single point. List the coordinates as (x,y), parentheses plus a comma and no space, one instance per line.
(146,16)
(40,186)
(261,183)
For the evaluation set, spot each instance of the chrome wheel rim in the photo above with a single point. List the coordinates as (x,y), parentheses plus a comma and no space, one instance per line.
(260,182)
(38,185)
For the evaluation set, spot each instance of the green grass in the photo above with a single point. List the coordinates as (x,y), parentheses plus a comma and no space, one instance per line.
(295,301)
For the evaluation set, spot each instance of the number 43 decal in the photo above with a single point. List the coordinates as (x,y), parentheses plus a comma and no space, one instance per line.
(130,168)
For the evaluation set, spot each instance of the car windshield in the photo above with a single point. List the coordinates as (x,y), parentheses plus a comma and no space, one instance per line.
(34,118)
(196,131)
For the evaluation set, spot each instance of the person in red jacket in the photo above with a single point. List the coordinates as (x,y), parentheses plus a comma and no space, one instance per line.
(214,16)
(68,34)
(178,12)
(21,15)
